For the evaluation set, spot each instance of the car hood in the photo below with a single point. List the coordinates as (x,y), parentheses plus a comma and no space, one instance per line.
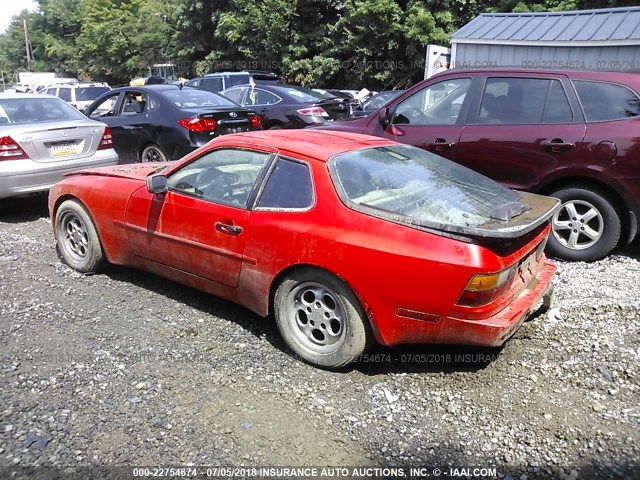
(135,171)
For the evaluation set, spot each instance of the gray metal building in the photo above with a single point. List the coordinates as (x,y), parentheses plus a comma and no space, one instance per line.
(605,39)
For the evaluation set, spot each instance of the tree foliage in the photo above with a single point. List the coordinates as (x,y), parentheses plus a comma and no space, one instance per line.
(346,43)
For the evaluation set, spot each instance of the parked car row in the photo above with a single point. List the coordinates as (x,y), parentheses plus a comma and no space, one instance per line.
(571,135)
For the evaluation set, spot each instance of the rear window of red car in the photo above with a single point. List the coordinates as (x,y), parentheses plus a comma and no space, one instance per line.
(416,186)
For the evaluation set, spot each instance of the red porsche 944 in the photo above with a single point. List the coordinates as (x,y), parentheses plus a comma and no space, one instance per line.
(346,239)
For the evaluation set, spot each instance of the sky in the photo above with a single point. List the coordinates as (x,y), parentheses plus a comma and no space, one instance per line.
(9,8)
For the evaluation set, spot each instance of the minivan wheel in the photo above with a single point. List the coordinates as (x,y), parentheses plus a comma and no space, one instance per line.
(153,153)
(586,228)
(321,319)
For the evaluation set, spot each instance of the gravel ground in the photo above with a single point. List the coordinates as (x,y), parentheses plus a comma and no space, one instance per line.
(125,368)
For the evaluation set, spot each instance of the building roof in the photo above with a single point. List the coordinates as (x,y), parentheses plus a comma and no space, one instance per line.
(603,27)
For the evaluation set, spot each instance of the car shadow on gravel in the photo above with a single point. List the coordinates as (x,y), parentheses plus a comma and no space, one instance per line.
(201,301)
(379,361)
(425,358)
(24,209)
(632,250)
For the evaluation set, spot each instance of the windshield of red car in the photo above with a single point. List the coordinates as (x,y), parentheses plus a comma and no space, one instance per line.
(421,187)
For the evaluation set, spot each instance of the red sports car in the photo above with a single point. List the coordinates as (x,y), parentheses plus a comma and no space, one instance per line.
(344,238)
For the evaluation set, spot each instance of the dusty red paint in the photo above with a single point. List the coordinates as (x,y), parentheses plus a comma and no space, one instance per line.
(388,266)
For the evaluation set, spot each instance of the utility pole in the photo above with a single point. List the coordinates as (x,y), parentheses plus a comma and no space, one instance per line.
(26,44)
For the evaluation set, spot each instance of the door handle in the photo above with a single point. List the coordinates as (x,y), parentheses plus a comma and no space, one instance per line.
(228,229)
(440,145)
(557,145)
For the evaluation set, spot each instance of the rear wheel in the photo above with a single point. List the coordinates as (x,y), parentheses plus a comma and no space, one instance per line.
(320,319)
(77,239)
(277,126)
(586,227)
(153,153)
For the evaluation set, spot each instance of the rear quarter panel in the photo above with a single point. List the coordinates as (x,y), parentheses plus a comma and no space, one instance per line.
(387,265)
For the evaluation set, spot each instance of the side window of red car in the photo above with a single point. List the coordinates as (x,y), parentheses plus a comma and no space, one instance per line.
(606,101)
(225,176)
(437,104)
(289,187)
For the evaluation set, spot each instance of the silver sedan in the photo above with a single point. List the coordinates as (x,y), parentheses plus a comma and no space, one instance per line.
(42,138)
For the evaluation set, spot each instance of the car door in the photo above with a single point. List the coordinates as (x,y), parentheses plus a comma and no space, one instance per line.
(236,94)
(262,102)
(521,128)
(431,118)
(133,124)
(107,110)
(200,224)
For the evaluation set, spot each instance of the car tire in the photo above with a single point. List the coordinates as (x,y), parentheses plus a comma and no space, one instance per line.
(77,239)
(587,226)
(152,153)
(275,127)
(321,319)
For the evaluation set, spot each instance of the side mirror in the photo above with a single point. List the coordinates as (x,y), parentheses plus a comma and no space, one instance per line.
(157,183)
(385,117)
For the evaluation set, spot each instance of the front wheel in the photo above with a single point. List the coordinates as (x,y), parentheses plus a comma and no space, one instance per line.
(320,319)
(587,226)
(77,239)
(153,153)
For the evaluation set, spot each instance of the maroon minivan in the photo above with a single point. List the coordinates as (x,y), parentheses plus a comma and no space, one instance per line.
(574,135)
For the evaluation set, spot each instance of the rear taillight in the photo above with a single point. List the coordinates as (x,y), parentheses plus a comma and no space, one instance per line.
(483,289)
(107,140)
(255,120)
(198,124)
(314,112)
(10,150)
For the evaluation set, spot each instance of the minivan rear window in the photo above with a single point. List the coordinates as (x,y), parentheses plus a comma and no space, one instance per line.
(405,183)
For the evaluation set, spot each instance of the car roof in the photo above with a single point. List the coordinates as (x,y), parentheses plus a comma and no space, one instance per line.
(318,144)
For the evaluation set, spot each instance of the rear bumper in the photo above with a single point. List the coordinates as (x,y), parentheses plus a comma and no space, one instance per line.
(19,177)
(495,330)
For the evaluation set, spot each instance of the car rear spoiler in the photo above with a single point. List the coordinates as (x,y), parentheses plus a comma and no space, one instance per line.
(531,212)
